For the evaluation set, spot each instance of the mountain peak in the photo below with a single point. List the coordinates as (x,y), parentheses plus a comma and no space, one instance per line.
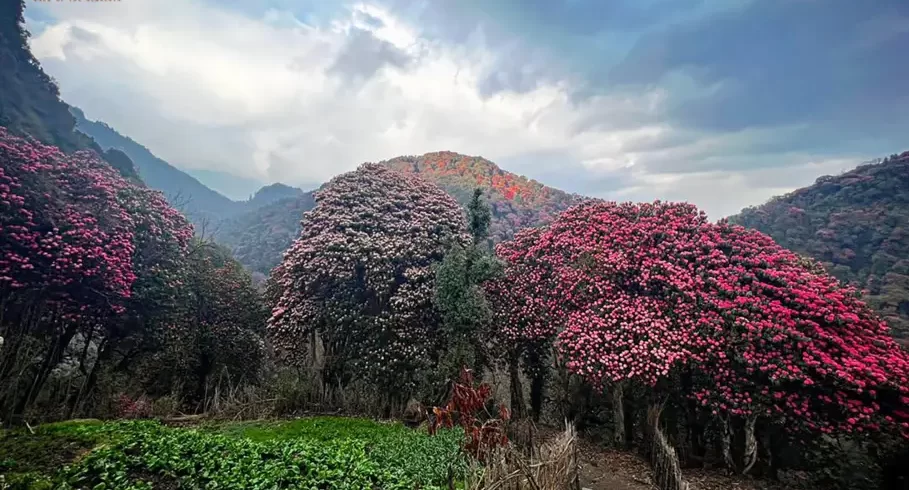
(516,200)
(273,192)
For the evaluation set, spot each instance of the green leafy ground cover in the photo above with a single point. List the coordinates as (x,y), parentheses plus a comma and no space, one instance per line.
(313,453)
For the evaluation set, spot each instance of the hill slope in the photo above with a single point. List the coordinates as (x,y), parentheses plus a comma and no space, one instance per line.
(185,192)
(259,237)
(30,103)
(517,202)
(857,224)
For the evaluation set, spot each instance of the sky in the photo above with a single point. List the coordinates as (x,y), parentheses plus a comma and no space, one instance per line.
(721,103)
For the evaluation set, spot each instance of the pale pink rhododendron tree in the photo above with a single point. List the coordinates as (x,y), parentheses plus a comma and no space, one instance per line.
(360,275)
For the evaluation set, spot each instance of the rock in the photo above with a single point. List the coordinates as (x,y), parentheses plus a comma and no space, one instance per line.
(414,414)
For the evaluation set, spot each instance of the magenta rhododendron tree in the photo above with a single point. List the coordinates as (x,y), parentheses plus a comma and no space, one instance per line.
(360,274)
(630,292)
(73,228)
(81,251)
(614,284)
(63,230)
(798,346)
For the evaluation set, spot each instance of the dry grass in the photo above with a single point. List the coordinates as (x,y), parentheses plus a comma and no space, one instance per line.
(553,465)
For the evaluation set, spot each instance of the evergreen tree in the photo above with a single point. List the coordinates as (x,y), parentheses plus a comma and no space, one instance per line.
(459,296)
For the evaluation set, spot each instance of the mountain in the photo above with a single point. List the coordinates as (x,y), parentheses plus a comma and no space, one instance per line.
(259,237)
(272,193)
(30,103)
(257,230)
(186,193)
(516,201)
(857,224)
(233,186)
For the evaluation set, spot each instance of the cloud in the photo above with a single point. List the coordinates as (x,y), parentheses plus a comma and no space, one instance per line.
(782,62)
(364,54)
(720,103)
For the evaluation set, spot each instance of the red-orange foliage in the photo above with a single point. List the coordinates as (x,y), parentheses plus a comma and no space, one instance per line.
(516,201)
(466,405)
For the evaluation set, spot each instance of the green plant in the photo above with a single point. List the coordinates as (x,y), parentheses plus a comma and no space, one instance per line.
(321,452)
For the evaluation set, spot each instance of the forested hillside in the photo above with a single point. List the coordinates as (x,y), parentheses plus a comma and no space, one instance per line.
(259,237)
(517,202)
(857,225)
(30,100)
(272,193)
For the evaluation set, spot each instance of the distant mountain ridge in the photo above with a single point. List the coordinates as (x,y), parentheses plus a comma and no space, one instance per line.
(857,224)
(199,202)
(30,103)
(195,199)
(233,187)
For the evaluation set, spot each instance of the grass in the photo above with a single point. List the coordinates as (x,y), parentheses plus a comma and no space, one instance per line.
(313,453)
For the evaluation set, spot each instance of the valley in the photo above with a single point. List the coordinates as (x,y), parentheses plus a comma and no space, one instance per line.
(432,321)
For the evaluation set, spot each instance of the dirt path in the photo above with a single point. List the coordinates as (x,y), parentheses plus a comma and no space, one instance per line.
(607,469)
(595,478)
(603,469)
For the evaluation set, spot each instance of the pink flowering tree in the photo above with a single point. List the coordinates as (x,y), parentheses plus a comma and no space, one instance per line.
(524,316)
(360,276)
(74,238)
(613,286)
(652,293)
(798,348)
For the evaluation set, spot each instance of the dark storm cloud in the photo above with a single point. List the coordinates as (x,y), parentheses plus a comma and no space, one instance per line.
(781,62)
(364,54)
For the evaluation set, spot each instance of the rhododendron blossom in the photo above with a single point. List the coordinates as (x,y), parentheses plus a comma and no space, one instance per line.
(798,344)
(72,228)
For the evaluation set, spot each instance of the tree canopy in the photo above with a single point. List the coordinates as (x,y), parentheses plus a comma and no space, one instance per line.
(361,274)
(636,292)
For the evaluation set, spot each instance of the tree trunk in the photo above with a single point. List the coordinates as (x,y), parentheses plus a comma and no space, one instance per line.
(517,389)
(727,443)
(667,473)
(771,447)
(72,396)
(51,360)
(204,372)
(618,411)
(104,353)
(537,384)
(749,456)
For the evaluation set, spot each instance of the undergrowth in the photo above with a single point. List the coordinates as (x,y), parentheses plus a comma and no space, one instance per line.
(316,453)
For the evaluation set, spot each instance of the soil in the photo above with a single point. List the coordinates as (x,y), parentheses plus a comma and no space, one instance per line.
(605,469)
(608,469)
